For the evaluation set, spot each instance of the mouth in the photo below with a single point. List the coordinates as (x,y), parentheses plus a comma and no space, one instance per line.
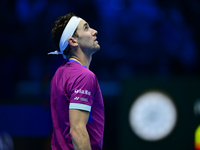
(96,41)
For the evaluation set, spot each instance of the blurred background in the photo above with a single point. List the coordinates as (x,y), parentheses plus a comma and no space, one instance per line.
(145,45)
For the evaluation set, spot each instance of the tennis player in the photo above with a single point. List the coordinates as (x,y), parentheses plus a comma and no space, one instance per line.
(77,107)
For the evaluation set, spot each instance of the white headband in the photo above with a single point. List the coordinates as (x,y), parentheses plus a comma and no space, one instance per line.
(67,33)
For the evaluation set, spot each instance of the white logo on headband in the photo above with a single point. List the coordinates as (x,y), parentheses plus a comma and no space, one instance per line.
(67,33)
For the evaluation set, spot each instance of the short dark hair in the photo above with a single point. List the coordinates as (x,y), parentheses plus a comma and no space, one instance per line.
(58,29)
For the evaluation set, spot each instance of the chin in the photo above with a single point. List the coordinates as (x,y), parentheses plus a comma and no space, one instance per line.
(98,47)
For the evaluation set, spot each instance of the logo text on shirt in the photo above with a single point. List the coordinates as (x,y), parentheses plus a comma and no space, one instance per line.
(86,92)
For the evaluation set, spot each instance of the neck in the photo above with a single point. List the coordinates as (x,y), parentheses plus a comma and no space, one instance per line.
(82,60)
(82,57)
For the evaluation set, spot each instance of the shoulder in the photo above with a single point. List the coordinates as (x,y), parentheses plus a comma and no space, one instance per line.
(86,75)
(79,70)
(74,72)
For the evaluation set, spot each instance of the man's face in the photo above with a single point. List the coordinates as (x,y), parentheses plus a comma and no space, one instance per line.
(87,38)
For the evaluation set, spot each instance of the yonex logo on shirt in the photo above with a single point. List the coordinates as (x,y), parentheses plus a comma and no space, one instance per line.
(82,91)
(82,99)
(76,98)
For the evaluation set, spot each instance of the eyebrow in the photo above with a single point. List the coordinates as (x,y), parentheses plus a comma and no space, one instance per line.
(85,24)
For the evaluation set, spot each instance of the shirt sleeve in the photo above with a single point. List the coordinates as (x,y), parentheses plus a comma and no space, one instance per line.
(82,93)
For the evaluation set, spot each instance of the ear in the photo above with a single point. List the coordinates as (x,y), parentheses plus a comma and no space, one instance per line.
(72,42)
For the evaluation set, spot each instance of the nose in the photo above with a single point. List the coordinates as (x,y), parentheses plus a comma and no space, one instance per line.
(94,32)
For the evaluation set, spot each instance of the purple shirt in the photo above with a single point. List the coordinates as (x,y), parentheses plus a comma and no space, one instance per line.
(75,87)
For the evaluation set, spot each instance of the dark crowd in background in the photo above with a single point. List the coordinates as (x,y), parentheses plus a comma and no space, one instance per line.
(137,37)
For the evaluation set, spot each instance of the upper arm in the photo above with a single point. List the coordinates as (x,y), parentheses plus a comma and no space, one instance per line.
(81,99)
(78,117)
